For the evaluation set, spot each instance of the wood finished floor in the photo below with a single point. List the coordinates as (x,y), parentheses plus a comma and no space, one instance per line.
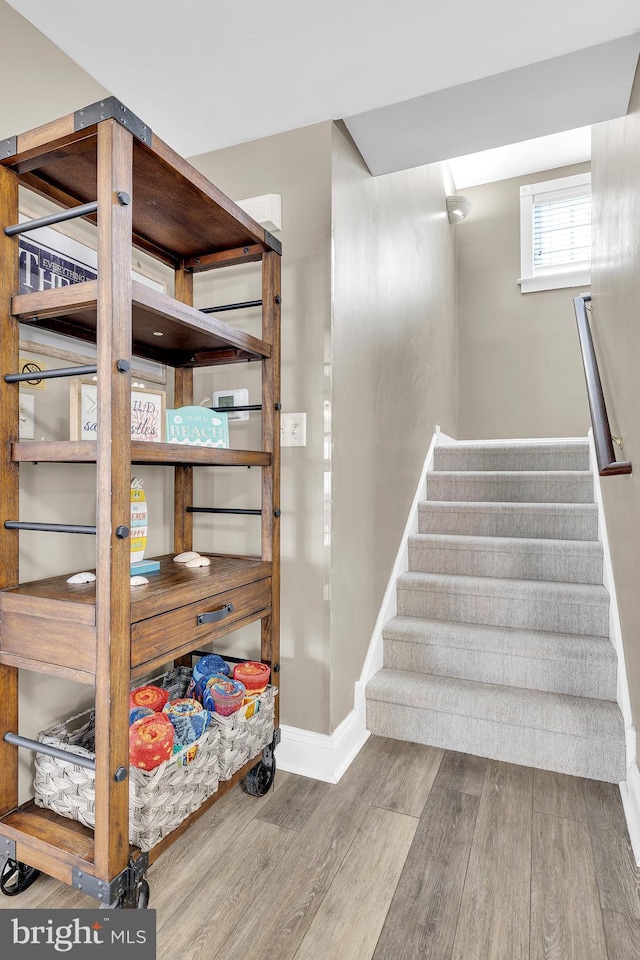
(416,853)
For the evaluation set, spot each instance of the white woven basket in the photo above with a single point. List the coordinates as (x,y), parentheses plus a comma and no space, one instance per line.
(159,800)
(242,737)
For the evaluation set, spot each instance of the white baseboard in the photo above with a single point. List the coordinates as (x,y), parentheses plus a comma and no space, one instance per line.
(324,756)
(388,607)
(327,756)
(630,791)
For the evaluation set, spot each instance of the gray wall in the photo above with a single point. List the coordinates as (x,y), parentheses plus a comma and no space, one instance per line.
(296,165)
(520,368)
(394,374)
(616,333)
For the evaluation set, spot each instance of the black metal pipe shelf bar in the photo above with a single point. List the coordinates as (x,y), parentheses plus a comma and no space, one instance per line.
(50,751)
(50,527)
(231,306)
(226,656)
(605,454)
(50,374)
(253,513)
(251,406)
(72,214)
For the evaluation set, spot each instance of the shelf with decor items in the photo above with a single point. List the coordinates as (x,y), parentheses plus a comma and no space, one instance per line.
(105,165)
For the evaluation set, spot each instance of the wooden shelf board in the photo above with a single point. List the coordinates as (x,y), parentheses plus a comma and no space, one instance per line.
(175,208)
(172,587)
(189,337)
(48,841)
(162,454)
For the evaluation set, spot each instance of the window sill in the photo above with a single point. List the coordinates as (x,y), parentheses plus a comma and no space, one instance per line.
(555,281)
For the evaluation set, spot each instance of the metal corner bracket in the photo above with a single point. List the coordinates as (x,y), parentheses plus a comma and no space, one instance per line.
(112,109)
(272,242)
(8,147)
(7,850)
(108,892)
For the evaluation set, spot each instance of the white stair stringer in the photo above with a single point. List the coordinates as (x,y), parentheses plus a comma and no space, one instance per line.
(501,643)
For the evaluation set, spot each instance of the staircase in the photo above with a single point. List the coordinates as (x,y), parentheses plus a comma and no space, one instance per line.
(501,643)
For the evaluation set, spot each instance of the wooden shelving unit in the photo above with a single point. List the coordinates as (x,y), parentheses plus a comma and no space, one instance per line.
(108,634)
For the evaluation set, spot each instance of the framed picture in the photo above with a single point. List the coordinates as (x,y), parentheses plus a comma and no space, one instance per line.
(147,412)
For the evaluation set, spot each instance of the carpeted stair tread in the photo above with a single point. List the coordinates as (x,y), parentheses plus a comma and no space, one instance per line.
(504,704)
(531,604)
(540,486)
(575,735)
(500,647)
(568,455)
(574,561)
(565,521)
(539,660)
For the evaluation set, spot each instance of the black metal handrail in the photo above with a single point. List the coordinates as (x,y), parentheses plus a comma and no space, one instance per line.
(605,453)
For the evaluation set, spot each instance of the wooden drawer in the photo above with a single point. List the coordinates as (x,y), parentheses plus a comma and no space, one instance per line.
(161,638)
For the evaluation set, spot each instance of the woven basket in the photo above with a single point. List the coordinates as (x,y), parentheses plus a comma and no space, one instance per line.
(159,800)
(242,737)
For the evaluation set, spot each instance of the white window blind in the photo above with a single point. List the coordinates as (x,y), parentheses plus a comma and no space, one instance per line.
(555,233)
(561,231)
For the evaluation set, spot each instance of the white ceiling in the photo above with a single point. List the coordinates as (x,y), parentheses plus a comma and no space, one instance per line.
(209,75)
(573,90)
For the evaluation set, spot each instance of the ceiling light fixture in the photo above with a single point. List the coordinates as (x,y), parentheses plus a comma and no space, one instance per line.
(458,208)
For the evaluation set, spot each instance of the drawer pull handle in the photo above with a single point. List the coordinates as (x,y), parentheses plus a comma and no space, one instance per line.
(215,615)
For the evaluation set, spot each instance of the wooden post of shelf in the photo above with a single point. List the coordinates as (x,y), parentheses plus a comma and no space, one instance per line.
(271,441)
(183,397)
(113,619)
(9,477)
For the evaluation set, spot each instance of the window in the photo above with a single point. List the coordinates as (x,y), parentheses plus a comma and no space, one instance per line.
(555,234)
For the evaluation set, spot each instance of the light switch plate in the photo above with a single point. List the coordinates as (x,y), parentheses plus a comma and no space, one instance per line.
(293,429)
(27,416)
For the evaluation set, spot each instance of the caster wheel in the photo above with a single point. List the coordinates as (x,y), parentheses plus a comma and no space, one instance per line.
(259,779)
(142,895)
(17,877)
(138,901)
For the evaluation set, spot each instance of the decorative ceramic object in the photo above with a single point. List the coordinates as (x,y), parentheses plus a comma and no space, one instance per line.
(198,562)
(84,577)
(138,581)
(185,557)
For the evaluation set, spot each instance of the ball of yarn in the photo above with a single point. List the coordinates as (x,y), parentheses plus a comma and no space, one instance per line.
(203,685)
(208,665)
(137,713)
(188,718)
(149,696)
(151,741)
(224,696)
(254,675)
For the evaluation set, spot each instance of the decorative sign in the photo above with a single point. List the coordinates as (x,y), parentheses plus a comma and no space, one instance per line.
(27,365)
(147,412)
(139,518)
(197,427)
(44,269)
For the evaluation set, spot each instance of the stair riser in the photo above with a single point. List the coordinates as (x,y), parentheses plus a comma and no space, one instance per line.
(544,749)
(508,522)
(577,678)
(510,489)
(520,565)
(531,614)
(516,457)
